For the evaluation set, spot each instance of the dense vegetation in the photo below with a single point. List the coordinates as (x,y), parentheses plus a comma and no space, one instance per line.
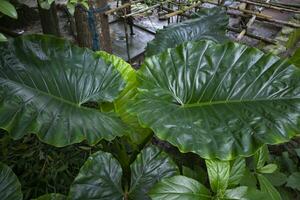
(203,118)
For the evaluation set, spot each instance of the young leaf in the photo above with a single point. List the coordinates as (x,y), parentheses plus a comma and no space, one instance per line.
(236,193)
(52,196)
(2,38)
(261,157)
(294,181)
(277,178)
(150,166)
(10,187)
(179,188)
(210,23)
(218,174)
(8,9)
(237,171)
(99,178)
(267,169)
(267,187)
(203,111)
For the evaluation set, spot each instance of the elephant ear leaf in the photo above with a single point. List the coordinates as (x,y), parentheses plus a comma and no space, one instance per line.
(178,188)
(10,187)
(52,196)
(209,23)
(151,166)
(219,101)
(99,178)
(46,85)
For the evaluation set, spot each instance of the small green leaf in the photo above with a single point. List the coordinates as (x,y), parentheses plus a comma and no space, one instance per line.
(2,38)
(268,169)
(10,187)
(261,157)
(179,188)
(277,178)
(237,171)
(218,174)
(254,194)
(52,196)
(236,193)
(267,187)
(294,181)
(8,9)
(248,179)
(98,178)
(150,166)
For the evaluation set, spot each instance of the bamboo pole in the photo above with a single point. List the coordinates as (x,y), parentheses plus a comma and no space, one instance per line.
(142,10)
(113,10)
(267,40)
(258,15)
(282,5)
(167,16)
(267,5)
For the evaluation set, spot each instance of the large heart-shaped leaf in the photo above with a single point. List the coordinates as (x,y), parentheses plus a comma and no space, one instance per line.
(10,187)
(45,83)
(100,177)
(219,101)
(209,23)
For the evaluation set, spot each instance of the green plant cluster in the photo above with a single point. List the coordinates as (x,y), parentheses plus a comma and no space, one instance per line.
(197,121)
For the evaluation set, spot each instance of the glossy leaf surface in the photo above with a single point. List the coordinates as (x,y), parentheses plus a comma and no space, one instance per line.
(99,178)
(209,23)
(218,174)
(150,166)
(237,171)
(10,187)
(219,101)
(179,188)
(8,9)
(45,83)
(268,188)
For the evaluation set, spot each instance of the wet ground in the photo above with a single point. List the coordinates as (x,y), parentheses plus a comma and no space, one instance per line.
(139,40)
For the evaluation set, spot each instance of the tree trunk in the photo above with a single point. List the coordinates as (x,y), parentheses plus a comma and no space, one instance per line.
(102,26)
(49,20)
(84,36)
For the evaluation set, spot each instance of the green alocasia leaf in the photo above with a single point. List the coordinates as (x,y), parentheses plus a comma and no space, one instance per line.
(138,134)
(268,188)
(277,178)
(99,178)
(218,100)
(179,188)
(2,38)
(150,166)
(45,83)
(295,59)
(261,157)
(237,171)
(210,23)
(293,181)
(238,193)
(52,196)
(268,169)
(8,9)
(218,174)
(10,187)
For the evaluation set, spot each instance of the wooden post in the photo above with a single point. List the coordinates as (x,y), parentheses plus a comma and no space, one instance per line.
(49,20)
(102,25)
(84,36)
(129,20)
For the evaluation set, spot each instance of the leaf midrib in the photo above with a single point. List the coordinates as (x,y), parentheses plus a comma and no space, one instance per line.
(50,95)
(209,103)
